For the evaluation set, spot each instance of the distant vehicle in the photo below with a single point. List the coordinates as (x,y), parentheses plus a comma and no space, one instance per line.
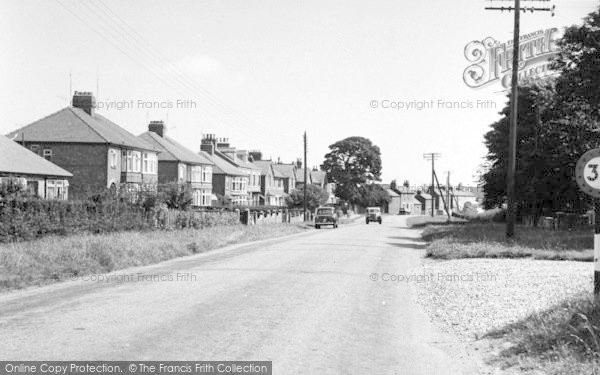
(402,211)
(326,216)
(373,214)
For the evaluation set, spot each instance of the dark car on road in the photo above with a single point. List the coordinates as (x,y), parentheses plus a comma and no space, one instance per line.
(326,216)
(373,214)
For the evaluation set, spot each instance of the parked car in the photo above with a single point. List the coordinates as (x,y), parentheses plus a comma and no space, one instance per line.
(373,214)
(402,211)
(326,216)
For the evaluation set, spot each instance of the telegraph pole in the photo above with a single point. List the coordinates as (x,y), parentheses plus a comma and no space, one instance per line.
(432,156)
(512,133)
(305,176)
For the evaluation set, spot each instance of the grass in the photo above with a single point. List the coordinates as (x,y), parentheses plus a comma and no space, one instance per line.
(56,258)
(562,340)
(487,240)
(422,221)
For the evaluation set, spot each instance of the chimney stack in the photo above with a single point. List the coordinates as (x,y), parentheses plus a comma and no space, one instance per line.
(85,101)
(256,155)
(207,144)
(299,163)
(157,127)
(243,155)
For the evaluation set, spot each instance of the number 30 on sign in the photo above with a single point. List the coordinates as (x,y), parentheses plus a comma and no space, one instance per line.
(587,173)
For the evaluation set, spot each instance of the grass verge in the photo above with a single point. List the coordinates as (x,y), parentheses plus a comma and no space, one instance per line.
(487,240)
(421,221)
(562,340)
(56,258)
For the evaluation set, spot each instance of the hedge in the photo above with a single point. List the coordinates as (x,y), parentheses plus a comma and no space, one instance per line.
(28,218)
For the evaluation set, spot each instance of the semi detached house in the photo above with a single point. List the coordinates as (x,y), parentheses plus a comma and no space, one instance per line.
(181,165)
(99,153)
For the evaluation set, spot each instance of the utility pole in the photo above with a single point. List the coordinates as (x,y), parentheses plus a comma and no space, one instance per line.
(432,156)
(305,177)
(512,133)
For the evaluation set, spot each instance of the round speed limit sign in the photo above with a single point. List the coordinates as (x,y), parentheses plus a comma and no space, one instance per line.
(587,173)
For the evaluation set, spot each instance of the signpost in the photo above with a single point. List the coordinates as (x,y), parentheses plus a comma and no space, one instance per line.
(587,174)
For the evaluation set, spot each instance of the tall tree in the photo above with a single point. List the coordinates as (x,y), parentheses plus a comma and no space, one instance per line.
(351,164)
(373,195)
(315,197)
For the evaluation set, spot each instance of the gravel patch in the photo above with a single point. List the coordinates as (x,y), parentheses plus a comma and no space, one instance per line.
(470,297)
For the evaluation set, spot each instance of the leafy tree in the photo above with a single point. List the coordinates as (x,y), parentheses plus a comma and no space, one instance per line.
(579,66)
(176,196)
(374,195)
(351,164)
(315,197)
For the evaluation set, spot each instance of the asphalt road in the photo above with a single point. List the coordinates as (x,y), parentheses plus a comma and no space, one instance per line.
(308,303)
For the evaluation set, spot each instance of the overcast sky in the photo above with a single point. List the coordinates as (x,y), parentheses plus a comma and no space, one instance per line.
(262,72)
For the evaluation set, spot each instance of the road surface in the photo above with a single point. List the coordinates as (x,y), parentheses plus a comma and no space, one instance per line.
(308,303)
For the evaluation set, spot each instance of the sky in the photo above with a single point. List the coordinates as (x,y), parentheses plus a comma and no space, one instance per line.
(262,72)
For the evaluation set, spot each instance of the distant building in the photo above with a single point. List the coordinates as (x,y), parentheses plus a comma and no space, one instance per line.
(99,153)
(179,164)
(393,206)
(272,184)
(38,175)
(228,180)
(425,200)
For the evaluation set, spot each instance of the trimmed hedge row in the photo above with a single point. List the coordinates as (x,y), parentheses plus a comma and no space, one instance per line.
(26,218)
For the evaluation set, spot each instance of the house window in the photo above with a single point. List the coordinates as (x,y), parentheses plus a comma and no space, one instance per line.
(113,159)
(137,161)
(47,154)
(153,163)
(181,174)
(35,148)
(145,163)
(196,173)
(206,195)
(57,189)
(197,197)
(127,163)
(206,174)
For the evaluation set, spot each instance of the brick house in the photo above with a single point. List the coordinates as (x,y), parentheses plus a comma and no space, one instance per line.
(38,175)
(229,181)
(179,164)
(241,160)
(99,153)
(272,184)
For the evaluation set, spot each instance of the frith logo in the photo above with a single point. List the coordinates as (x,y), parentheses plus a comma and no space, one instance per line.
(491,61)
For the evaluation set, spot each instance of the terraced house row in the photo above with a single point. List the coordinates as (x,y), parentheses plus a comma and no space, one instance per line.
(75,152)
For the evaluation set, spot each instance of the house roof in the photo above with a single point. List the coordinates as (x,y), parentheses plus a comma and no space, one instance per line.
(263,165)
(19,160)
(245,164)
(223,165)
(300,175)
(170,150)
(392,193)
(425,195)
(286,170)
(318,176)
(74,125)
